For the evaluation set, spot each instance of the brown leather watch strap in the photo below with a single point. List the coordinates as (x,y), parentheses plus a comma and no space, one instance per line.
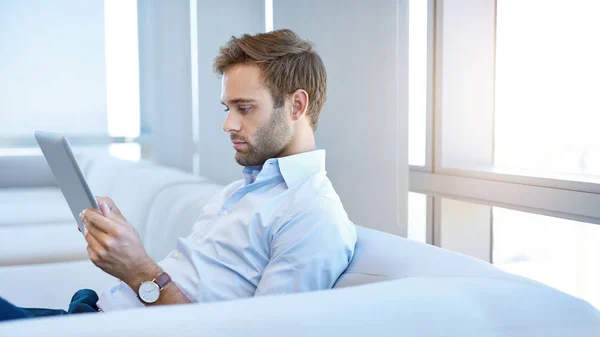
(162,280)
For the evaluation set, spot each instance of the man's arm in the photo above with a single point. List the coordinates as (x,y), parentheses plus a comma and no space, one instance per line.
(115,247)
(309,251)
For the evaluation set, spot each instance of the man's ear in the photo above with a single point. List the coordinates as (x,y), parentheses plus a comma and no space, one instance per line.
(299,100)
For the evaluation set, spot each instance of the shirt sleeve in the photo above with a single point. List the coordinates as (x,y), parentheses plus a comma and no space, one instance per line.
(119,297)
(309,252)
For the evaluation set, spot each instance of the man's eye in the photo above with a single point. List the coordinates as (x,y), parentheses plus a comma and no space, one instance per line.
(245,109)
(226,109)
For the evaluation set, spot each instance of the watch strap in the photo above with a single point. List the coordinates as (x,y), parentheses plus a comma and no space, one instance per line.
(162,280)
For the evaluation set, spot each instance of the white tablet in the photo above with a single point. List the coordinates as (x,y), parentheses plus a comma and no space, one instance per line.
(67,173)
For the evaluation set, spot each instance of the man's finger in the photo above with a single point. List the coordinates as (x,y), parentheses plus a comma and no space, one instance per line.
(111,204)
(94,245)
(93,219)
(101,237)
(105,209)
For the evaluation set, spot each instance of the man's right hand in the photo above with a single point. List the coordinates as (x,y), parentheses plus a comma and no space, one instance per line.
(111,206)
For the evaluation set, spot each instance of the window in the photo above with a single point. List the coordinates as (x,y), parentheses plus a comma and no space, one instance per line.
(417,85)
(417,217)
(79,78)
(546,111)
(561,253)
(515,152)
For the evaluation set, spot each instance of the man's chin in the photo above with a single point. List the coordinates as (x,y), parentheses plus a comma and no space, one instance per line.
(244,159)
(241,158)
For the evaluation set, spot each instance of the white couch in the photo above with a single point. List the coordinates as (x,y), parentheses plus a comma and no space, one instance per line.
(393,287)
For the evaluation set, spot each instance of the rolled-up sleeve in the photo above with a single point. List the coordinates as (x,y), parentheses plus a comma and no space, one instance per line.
(309,251)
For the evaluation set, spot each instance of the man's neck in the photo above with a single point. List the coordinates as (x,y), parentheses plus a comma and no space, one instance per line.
(298,145)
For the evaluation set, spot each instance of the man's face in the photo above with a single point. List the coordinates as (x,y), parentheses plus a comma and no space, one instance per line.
(257,130)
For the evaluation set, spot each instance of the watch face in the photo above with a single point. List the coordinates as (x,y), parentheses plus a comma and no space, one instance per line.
(149,292)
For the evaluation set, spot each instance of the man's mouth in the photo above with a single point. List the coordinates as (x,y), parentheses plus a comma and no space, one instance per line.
(238,145)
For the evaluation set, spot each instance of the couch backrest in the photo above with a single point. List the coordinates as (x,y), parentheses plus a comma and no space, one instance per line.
(162,203)
(380,256)
(173,214)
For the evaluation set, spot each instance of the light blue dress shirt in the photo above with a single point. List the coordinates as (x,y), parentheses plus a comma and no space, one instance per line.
(282,229)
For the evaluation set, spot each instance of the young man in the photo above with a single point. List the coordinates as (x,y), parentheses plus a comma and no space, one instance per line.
(281,229)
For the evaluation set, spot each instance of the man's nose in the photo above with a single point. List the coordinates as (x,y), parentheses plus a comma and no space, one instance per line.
(231,123)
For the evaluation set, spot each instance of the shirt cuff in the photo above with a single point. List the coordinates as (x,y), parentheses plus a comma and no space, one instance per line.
(119,297)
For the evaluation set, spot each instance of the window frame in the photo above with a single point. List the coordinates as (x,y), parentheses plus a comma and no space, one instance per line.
(570,197)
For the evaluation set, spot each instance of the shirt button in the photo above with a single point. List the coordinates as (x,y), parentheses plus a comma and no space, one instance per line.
(119,295)
(175,254)
(199,242)
(224,213)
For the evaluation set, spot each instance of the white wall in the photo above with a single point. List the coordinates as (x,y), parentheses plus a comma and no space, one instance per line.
(217,22)
(363,125)
(52,70)
(165,80)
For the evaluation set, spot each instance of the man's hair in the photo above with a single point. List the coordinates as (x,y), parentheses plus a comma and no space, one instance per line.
(287,63)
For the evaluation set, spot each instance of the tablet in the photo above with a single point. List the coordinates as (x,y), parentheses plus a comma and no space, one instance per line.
(67,173)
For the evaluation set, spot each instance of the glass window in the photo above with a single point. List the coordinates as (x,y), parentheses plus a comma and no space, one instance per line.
(122,68)
(79,78)
(53,67)
(547,113)
(417,216)
(562,253)
(417,83)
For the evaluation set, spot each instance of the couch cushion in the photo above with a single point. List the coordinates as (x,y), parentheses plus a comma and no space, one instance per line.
(135,189)
(42,205)
(380,256)
(173,214)
(43,243)
(101,171)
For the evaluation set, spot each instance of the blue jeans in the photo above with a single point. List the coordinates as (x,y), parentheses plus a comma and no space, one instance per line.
(83,301)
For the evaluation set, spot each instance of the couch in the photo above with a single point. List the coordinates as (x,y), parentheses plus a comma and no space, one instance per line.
(393,287)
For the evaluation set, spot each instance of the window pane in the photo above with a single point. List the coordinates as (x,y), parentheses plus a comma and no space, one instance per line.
(417,216)
(77,77)
(561,253)
(417,83)
(547,70)
(465,228)
(122,68)
(52,69)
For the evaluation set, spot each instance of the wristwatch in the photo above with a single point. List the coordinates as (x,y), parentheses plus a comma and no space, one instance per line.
(149,291)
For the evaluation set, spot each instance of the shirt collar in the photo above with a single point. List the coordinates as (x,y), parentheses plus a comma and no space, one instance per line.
(294,169)
(250,173)
(299,167)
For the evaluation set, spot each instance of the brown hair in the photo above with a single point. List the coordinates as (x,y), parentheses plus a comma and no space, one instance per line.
(287,63)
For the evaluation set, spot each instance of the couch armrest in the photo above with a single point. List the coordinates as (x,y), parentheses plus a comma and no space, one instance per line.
(25,171)
(51,285)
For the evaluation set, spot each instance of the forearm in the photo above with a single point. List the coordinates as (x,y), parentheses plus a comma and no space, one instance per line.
(170,294)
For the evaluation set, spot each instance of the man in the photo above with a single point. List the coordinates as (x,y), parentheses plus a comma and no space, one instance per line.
(281,229)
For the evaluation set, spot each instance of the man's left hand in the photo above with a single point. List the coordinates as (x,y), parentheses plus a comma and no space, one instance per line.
(115,247)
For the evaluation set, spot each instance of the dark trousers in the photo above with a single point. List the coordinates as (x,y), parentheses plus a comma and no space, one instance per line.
(83,301)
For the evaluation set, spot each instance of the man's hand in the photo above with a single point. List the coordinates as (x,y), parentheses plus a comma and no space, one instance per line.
(114,245)
(112,207)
